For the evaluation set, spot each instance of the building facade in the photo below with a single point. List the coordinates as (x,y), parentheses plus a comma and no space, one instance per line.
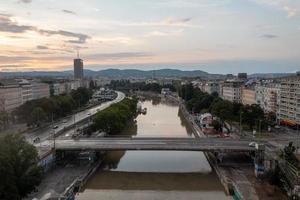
(289,101)
(78,68)
(10,95)
(248,96)
(211,87)
(40,90)
(267,97)
(232,91)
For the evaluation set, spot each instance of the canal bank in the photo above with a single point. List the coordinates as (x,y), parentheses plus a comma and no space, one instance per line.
(159,173)
(237,178)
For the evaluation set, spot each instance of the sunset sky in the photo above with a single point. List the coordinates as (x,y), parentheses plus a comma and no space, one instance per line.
(218,36)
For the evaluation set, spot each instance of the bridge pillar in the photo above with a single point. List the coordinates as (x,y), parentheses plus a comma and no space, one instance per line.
(259,160)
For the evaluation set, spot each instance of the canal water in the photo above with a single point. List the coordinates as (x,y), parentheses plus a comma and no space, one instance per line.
(155,175)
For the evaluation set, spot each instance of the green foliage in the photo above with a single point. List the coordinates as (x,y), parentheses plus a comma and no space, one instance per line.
(81,96)
(19,170)
(289,154)
(252,113)
(198,101)
(113,119)
(41,110)
(4,119)
(217,125)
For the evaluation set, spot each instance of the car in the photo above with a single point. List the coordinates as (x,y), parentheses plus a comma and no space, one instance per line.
(252,144)
(55,127)
(277,126)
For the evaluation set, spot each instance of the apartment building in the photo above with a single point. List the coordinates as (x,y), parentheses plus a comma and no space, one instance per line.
(26,88)
(267,96)
(248,96)
(211,87)
(10,95)
(232,91)
(289,101)
(40,90)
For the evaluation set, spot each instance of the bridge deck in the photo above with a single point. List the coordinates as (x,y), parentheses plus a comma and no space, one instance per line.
(180,144)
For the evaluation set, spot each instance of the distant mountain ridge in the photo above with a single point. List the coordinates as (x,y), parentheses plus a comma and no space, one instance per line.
(134,73)
(114,73)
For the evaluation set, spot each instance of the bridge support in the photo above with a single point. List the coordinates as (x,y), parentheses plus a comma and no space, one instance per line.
(259,159)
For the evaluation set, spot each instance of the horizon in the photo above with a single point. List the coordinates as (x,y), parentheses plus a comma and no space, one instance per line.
(186,35)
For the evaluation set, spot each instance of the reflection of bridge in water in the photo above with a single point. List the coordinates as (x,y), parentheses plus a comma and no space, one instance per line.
(174,144)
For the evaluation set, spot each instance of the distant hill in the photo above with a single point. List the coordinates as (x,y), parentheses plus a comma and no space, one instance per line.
(115,73)
(134,73)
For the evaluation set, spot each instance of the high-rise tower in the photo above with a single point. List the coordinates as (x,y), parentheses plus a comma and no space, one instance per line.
(78,67)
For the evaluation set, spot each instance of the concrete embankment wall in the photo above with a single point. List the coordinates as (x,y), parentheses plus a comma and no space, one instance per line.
(229,186)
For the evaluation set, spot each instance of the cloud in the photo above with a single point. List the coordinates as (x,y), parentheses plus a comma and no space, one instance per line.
(81,38)
(164,33)
(7,24)
(289,6)
(179,22)
(291,12)
(269,36)
(25,1)
(41,47)
(119,55)
(69,12)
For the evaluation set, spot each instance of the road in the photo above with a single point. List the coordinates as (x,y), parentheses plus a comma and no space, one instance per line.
(188,144)
(45,133)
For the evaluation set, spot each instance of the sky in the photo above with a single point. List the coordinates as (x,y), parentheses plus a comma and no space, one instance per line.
(217,36)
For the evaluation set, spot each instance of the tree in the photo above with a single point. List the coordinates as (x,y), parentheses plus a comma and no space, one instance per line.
(217,125)
(19,170)
(289,154)
(4,119)
(37,115)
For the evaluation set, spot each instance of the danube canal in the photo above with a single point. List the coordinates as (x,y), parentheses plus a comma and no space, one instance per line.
(149,175)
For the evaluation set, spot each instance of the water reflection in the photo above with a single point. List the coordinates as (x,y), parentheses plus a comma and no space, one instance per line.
(155,170)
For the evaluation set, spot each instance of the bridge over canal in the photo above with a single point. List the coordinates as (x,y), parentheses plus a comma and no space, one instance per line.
(175,144)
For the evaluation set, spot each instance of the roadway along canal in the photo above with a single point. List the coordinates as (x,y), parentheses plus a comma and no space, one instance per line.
(153,175)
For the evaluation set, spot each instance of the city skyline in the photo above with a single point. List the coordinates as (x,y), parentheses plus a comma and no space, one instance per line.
(214,36)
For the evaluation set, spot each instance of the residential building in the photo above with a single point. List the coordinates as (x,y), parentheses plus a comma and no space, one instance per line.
(267,96)
(211,87)
(242,76)
(248,96)
(40,90)
(289,101)
(26,90)
(232,91)
(10,95)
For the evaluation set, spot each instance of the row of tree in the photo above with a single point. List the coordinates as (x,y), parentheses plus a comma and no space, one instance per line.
(45,109)
(19,169)
(114,119)
(201,102)
(126,85)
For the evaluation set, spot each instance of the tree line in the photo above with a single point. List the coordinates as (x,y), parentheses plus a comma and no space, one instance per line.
(126,85)
(42,110)
(114,119)
(200,102)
